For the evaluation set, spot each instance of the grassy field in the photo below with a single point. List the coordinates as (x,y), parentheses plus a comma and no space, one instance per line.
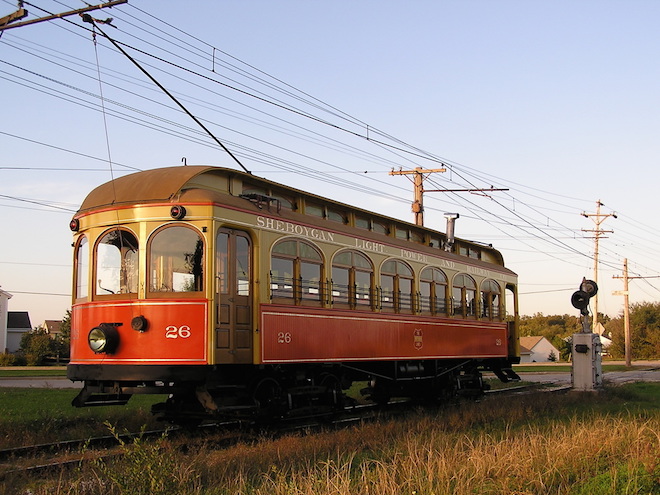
(38,415)
(574,443)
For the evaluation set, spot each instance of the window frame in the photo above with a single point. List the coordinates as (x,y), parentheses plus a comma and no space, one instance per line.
(82,241)
(490,311)
(95,266)
(464,309)
(350,295)
(434,298)
(149,263)
(299,288)
(397,305)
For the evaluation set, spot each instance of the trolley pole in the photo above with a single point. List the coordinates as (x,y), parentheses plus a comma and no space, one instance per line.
(598,219)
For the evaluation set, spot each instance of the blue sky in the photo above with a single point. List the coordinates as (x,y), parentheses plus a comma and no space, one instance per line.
(556,101)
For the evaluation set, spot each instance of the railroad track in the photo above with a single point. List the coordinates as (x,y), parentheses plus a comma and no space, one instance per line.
(53,457)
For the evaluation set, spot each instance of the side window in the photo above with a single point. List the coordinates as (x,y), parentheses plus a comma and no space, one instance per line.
(433,291)
(490,300)
(176,264)
(296,271)
(116,263)
(352,280)
(464,296)
(396,280)
(82,269)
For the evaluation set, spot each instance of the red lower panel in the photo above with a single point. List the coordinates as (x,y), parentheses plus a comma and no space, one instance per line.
(176,332)
(313,334)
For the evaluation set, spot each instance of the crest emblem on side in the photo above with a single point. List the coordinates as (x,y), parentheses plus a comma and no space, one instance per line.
(417,339)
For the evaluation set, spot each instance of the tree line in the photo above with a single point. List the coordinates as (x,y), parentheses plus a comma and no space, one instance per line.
(644,331)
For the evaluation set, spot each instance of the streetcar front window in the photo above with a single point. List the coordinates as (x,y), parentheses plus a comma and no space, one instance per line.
(177,261)
(82,269)
(116,263)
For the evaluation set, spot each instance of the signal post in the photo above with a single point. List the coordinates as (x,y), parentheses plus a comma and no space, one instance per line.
(586,350)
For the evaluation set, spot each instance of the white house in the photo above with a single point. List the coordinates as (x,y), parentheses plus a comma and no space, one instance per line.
(4,305)
(537,350)
(18,324)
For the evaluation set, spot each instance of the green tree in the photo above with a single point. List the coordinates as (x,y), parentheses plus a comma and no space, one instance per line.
(644,332)
(36,345)
(555,328)
(63,340)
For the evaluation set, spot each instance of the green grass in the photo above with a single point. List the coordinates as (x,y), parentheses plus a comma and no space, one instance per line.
(566,368)
(38,415)
(20,372)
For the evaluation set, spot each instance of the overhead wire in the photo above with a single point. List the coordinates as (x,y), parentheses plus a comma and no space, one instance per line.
(538,229)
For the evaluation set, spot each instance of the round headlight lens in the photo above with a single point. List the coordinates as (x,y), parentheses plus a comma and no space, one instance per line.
(97,340)
(103,339)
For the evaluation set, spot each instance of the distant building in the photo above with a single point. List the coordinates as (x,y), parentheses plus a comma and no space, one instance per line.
(52,327)
(537,350)
(4,305)
(18,324)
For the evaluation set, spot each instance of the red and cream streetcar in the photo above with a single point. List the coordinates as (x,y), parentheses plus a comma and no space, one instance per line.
(234,295)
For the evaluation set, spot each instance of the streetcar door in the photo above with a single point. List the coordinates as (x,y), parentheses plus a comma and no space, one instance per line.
(233,315)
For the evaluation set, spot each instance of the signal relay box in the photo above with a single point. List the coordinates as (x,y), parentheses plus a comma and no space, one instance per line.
(587,371)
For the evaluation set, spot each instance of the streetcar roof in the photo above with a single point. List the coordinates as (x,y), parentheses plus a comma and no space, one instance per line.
(168,184)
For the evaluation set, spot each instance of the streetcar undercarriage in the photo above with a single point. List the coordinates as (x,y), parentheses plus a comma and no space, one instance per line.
(198,393)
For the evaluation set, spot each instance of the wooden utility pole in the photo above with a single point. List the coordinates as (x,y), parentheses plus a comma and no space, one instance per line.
(6,22)
(626,309)
(418,181)
(598,219)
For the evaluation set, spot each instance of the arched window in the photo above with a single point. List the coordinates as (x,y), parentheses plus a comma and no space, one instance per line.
(116,263)
(176,260)
(352,280)
(464,295)
(396,283)
(296,272)
(433,290)
(490,300)
(82,269)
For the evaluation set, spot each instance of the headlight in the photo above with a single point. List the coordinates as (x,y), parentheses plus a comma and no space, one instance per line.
(103,338)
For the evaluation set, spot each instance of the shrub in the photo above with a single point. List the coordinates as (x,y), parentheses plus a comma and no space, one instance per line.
(7,359)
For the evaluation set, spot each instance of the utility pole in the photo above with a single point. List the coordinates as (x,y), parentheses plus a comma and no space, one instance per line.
(6,22)
(598,219)
(418,182)
(626,309)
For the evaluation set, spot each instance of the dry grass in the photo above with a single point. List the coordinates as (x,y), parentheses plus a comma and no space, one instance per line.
(575,444)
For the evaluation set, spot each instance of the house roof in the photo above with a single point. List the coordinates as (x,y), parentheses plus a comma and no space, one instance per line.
(18,319)
(52,326)
(530,342)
